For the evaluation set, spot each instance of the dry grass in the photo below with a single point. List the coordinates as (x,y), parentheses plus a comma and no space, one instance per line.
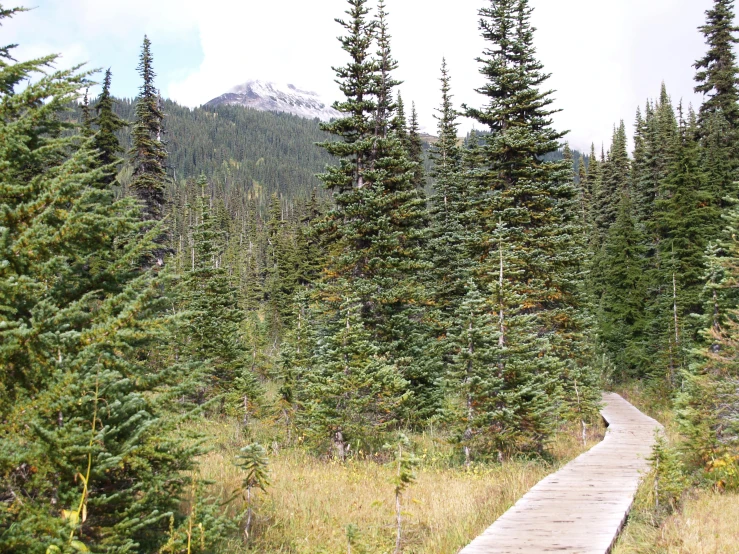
(707,524)
(311,502)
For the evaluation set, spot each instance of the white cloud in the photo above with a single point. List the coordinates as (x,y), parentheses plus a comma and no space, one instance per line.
(291,41)
(606,57)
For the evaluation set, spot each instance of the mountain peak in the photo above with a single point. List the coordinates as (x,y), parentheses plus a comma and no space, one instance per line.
(269,96)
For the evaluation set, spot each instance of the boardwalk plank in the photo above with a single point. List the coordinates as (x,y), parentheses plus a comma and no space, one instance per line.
(581,508)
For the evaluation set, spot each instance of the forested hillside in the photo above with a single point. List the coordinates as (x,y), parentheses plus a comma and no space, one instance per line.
(201,308)
(257,152)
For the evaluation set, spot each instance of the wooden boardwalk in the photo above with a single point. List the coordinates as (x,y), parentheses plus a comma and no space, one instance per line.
(582,507)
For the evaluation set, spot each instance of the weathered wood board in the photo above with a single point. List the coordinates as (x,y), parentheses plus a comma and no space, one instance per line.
(582,507)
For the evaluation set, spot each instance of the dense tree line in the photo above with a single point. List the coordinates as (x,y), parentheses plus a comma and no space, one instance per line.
(662,250)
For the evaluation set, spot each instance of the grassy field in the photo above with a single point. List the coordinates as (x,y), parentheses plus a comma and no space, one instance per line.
(311,503)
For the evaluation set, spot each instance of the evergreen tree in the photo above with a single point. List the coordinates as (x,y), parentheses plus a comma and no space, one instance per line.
(640,181)
(400,124)
(353,394)
(373,233)
(708,402)
(505,406)
(447,242)
(86,116)
(283,266)
(148,153)
(615,183)
(684,217)
(527,207)
(594,185)
(586,192)
(310,255)
(622,295)
(108,125)
(91,459)
(384,81)
(415,150)
(717,79)
(716,72)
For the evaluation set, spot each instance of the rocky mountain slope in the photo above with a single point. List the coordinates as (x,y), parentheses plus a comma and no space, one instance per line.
(276,97)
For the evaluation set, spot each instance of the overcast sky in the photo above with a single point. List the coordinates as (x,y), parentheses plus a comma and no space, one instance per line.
(606,56)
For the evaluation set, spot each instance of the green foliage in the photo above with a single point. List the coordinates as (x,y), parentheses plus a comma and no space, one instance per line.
(108,125)
(668,476)
(352,395)
(614,183)
(527,242)
(405,476)
(148,153)
(448,210)
(621,292)
(709,402)
(90,454)
(373,236)
(254,462)
(215,321)
(717,71)
(205,527)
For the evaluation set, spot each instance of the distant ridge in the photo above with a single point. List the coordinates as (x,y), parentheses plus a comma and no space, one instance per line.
(277,97)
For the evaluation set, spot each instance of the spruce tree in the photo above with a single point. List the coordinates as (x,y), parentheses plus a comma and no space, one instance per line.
(622,295)
(91,458)
(505,402)
(615,182)
(384,81)
(586,192)
(353,394)
(108,124)
(684,218)
(282,267)
(86,116)
(373,234)
(708,402)
(594,185)
(310,255)
(526,214)
(717,78)
(148,153)
(447,241)
(716,72)
(400,124)
(415,150)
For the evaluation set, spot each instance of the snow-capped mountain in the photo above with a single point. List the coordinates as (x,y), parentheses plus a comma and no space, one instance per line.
(277,97)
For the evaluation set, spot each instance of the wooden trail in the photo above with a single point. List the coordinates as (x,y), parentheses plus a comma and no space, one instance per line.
(582,507)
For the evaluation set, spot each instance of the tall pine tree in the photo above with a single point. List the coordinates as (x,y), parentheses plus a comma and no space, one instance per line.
(148,153)
(526,208)
(108,124)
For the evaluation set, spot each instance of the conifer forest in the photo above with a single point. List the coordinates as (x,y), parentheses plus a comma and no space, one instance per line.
(229,330)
